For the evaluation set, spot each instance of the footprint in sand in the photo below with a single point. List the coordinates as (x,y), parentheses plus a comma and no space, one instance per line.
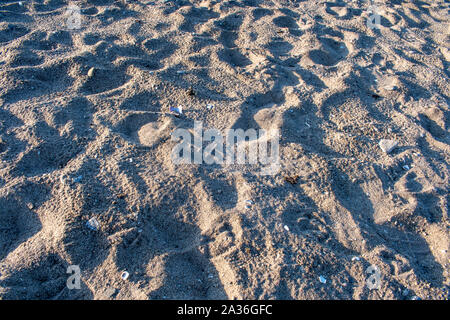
(153,132)
(10,31)
(268,118)
(102,80)
(330,52)
(145,129)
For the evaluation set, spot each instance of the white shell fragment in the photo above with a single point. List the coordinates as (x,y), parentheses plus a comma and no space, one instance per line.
(93,224)
(177,110)
(124,275)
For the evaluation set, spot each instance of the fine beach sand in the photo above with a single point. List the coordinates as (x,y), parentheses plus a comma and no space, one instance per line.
(85,132)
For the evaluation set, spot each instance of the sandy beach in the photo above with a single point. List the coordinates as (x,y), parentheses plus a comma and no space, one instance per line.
(357,206)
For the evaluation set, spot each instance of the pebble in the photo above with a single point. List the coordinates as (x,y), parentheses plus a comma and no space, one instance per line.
(191,92)
(387,145)
(322,279)
(91,72)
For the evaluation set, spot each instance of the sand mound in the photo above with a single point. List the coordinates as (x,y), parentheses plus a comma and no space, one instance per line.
(85,133)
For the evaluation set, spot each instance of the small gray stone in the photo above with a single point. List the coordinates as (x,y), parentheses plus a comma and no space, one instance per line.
(387,145)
